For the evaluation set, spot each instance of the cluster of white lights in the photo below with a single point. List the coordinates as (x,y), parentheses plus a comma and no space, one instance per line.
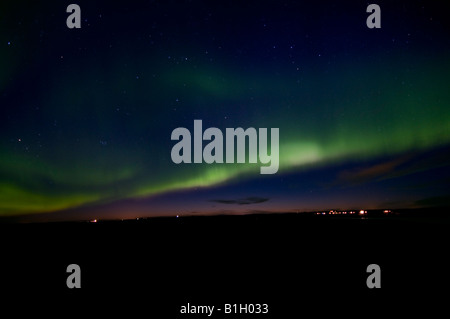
(334,212)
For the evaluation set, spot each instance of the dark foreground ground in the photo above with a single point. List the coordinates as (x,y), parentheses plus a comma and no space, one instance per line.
(295,263)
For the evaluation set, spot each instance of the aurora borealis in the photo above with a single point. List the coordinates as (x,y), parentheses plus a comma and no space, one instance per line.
(87,114)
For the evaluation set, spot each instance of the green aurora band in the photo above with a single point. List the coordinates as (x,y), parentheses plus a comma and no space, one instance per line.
(353,110)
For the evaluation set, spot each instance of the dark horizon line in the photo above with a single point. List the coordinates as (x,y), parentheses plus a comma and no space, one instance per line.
(396,212)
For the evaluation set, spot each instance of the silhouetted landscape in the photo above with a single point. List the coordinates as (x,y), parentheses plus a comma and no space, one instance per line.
(286,259)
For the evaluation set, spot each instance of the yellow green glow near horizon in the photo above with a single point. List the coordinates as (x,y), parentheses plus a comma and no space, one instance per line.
(357,111)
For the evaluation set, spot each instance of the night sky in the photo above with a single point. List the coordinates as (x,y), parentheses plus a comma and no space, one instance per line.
(87,114)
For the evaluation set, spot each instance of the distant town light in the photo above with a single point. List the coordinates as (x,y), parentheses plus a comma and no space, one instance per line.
(93,221)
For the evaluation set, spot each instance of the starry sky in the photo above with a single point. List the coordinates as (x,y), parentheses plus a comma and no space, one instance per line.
(87,114)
